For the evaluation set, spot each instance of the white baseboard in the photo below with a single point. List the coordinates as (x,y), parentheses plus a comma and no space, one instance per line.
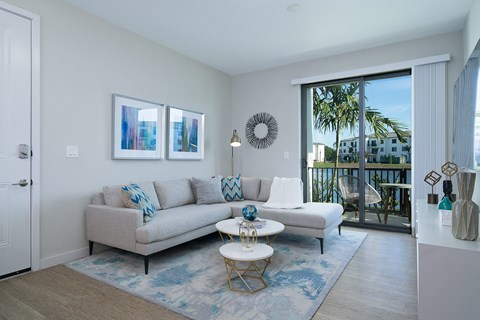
(70,256)
(63,258)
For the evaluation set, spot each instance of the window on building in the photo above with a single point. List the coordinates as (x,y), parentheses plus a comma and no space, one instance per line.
(381,149)
(381,141)
(374,143)
(405,148)
(394,149)
(394,140)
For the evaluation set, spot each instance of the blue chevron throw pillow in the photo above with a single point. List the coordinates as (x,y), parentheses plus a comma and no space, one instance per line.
(232,188)
(135,198)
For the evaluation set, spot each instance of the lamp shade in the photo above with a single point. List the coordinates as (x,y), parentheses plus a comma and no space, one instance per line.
(235,141)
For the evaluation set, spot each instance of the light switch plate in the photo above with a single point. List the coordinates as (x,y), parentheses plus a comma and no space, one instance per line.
(72,152)
(286,155)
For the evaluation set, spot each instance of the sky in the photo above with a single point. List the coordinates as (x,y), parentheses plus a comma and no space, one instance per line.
(392,97)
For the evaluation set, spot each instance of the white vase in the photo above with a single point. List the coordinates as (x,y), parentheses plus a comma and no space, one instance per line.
(464,210)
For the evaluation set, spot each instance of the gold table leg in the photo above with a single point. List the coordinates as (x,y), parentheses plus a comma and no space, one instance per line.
(251,271)
(228,235)
(270,240)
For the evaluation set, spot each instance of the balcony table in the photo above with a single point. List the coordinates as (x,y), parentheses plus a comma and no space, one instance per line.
(406,196)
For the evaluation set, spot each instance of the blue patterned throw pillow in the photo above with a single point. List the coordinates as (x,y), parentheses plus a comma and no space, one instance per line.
(135,198)
(232,188)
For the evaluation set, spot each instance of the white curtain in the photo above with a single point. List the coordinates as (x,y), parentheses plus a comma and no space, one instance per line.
(429,127)
(464,96)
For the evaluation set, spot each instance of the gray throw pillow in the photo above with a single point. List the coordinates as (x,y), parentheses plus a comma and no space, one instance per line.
(208,191)
(174,193)
(265,186)
(113,196)
(250,187)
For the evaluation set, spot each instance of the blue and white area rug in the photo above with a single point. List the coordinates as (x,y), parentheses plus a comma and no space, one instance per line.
(190,279)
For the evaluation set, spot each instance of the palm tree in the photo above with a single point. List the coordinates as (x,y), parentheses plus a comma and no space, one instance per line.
(335,108)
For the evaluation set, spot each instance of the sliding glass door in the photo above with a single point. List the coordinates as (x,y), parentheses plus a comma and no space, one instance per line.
(357,147)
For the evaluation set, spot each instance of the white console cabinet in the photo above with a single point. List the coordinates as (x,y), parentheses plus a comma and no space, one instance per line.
(448,270)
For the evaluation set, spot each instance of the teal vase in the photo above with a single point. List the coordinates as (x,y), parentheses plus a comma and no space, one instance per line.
(445,204)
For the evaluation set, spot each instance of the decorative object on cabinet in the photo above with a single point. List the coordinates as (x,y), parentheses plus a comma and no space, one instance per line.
(465,211)
(449,169)
(185,134)
(257,120)
(138,128)
(432,178)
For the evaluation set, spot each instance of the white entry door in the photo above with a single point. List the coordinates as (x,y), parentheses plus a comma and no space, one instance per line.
(15,141)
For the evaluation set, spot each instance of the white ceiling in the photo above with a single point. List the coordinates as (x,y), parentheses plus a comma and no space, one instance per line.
(238,36)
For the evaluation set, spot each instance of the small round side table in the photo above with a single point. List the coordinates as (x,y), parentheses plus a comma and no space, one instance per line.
(233,255)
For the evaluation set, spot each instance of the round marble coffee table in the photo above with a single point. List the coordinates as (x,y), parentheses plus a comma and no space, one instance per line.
(233,254)
(230,227)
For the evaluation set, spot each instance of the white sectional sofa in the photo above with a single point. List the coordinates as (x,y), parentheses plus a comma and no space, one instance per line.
(179,219)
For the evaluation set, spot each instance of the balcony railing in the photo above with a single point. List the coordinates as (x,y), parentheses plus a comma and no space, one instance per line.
(321,182)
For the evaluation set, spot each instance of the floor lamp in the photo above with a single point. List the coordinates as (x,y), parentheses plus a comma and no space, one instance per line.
(235,142)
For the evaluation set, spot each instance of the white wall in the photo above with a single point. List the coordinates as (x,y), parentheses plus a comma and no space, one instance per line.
(471,32)
(83,61)
(270,91)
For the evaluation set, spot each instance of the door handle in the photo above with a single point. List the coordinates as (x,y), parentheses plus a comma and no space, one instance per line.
(21,183)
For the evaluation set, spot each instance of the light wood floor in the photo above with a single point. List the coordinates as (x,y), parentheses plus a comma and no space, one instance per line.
(379,283)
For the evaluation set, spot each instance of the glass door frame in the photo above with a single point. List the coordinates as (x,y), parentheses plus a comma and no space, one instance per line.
(304,96)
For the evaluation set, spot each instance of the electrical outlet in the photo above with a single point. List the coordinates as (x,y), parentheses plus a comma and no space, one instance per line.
(72,152)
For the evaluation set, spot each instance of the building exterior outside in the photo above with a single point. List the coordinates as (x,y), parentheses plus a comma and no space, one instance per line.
(318,152)
(388,150)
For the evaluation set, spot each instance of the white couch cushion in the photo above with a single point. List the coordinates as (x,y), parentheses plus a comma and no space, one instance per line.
(176,221)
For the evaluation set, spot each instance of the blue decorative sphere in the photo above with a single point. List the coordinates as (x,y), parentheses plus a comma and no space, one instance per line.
(250,212)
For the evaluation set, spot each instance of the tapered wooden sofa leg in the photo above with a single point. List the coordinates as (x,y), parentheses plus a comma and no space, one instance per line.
(340,229)
(90,247)
(146,259)
(321,245)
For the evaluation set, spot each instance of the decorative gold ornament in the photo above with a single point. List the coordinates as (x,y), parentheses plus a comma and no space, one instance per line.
(432,178)
(449,169)
(248,235)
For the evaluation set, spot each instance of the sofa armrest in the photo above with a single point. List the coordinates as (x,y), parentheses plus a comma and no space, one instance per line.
(113,226)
